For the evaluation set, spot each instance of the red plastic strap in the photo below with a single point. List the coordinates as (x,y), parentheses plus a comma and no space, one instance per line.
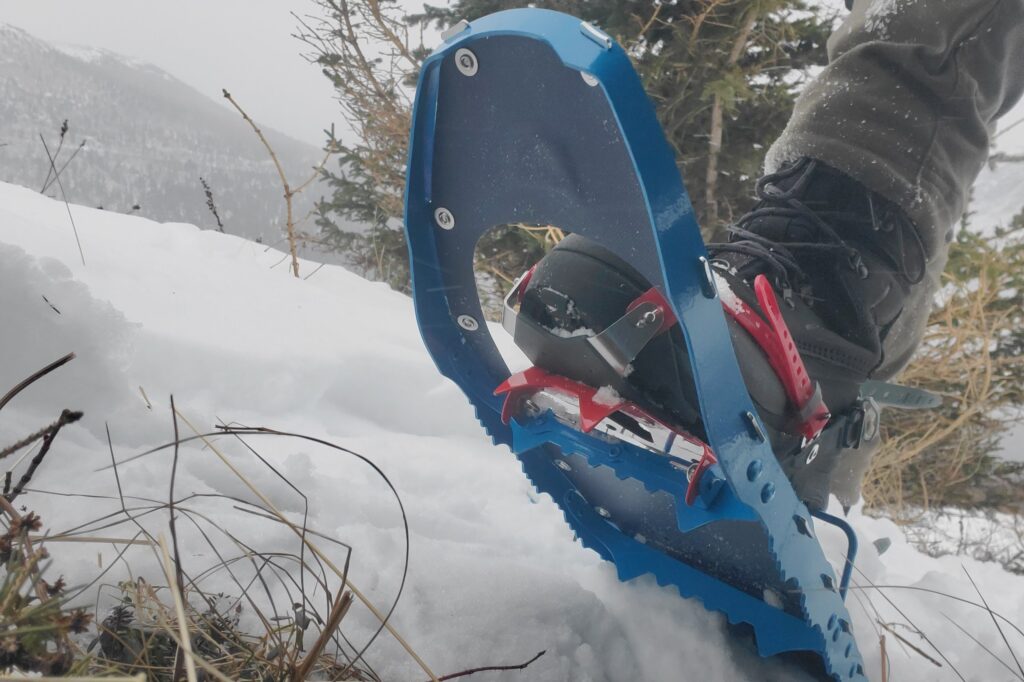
(693,487)
(776,341)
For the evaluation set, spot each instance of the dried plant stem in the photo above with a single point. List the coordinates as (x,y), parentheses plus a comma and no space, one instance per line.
(35,376)
(884,658)
(311,545)
(338,611)
(185,640)
(64,196)
(289,192)
(66,417)
(473,671)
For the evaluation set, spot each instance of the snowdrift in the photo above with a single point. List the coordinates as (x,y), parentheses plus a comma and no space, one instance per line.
(217,321)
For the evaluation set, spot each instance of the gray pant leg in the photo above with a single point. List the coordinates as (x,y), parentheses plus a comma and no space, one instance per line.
(906,107)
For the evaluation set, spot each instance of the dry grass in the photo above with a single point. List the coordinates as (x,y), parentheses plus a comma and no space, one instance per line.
(971,356)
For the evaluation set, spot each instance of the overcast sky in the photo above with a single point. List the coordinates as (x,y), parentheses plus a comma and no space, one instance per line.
(242,45)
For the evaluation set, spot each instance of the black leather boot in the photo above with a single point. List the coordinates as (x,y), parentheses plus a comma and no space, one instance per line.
(838,263)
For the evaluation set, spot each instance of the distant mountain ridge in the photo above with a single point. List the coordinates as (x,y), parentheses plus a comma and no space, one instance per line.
(149,138)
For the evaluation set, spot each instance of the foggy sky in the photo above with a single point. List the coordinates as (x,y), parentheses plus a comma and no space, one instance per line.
(242,45)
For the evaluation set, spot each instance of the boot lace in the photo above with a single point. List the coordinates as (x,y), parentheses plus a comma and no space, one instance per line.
(782,260)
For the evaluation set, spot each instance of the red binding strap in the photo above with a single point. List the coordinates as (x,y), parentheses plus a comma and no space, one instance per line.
(777,343)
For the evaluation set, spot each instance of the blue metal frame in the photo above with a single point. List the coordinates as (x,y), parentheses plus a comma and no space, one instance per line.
(665,246)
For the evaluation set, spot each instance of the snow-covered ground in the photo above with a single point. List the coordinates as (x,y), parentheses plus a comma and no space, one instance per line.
(494,577)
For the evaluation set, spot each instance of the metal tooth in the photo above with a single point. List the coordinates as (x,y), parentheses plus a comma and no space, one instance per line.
(468,323)
(465,62)
(444,218)
(602,512)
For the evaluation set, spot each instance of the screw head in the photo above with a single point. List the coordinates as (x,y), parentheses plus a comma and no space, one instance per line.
(444,218)
(468,323)
(602,512)
(563,465)
(465,62)
(588,79)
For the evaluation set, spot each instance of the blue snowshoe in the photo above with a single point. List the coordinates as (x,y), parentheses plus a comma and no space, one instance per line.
(534,117)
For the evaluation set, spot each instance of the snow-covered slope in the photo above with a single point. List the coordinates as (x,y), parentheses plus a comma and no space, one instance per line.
(495,576)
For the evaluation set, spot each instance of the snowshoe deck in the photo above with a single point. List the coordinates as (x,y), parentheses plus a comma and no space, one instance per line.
(532,116)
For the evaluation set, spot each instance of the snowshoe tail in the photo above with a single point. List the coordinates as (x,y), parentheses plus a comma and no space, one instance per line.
(532,116)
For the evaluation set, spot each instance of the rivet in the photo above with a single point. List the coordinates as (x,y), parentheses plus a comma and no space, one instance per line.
(468,323)
(444,219)
(465,62)
(813,454)
(709,287)
(563,465)
(601,511)
(755,426)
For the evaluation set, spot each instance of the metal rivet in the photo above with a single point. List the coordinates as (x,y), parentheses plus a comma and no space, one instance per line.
(444,219)
(691,471)
(465,62)
(455,30)
(650,317)
(813,454)
(767,492)
(563,465)
(709,287)
(588,79)
(468,323)
(755,426)
(598,36)
(601,511)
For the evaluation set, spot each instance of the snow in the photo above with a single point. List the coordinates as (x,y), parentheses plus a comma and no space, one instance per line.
(606,395)
(494,574)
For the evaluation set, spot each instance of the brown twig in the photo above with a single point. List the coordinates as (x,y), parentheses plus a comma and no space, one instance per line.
(489,668)
(289,224)
(26,382)
(66,417)
(904,640)
(64,196)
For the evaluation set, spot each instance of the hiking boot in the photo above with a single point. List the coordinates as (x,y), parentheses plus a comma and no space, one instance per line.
(819,257)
